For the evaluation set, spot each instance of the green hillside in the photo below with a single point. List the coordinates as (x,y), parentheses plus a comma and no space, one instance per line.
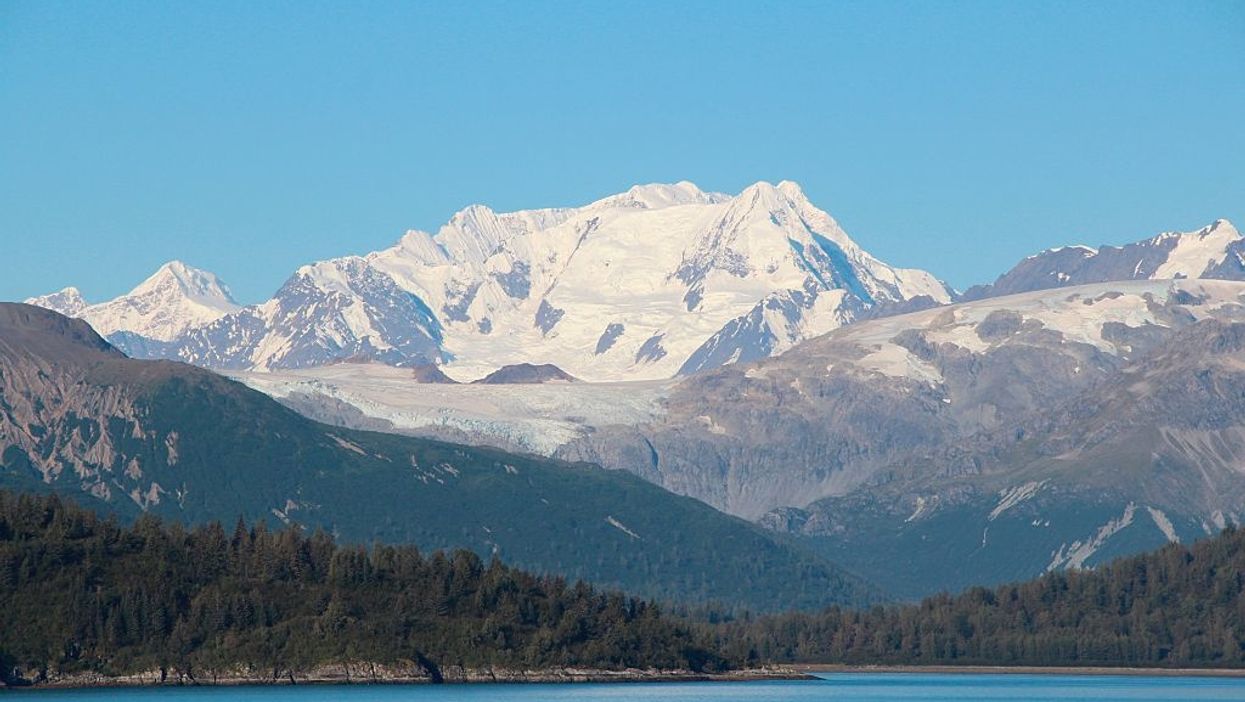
(82,594)
(1180,606)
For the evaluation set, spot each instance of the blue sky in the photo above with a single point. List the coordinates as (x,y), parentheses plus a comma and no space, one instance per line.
(248,138)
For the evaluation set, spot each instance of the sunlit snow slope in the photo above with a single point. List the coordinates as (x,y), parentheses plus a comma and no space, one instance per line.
(646,284)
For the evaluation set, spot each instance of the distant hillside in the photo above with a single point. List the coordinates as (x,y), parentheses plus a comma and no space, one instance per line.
(1177,607)
(177,441)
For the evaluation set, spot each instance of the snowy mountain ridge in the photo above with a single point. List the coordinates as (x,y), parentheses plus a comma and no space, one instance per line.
(67,301)
(1214,251)
(657,281)
(174,299)
(630,286)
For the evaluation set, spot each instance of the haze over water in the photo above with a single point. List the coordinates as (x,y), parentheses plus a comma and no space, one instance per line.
(838,687)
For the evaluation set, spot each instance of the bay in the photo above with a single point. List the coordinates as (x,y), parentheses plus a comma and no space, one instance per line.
(837,687)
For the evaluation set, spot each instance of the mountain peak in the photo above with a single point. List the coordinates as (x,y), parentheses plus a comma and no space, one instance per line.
(627,287)
(67,301)
(199,285)
(1082,249)
(473,211)
(791,189)
(682,191)
(786,193)
(173,299)
(655,196)
(1221,225)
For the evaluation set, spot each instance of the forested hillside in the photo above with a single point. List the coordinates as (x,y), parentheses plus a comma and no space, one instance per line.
(81,593)
(1180,606)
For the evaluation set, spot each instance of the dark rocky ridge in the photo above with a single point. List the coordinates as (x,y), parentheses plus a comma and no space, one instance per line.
(1078,265)
(526,373)
(431,374)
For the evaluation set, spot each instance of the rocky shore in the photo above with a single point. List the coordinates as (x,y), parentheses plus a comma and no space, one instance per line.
(396,674)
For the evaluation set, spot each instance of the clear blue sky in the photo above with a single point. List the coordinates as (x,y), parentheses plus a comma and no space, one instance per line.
(251,137)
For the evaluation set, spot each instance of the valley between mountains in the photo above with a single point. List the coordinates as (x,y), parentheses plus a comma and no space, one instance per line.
(692,395)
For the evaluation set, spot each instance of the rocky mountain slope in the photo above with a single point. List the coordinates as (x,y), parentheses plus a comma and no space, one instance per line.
(977,442)
(818,421)
(131,436)
(1216,251)
(822,440)
(904,431)
(659,280)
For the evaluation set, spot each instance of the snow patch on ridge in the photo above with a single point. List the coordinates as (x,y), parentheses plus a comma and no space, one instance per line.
(1014,496)
(921,506)
(1079,313)
(1164,524)
(898,362)
(1075,555)
(622,527)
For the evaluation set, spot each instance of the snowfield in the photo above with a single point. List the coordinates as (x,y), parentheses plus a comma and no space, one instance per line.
(537,418)
(1079,313)
(540,418)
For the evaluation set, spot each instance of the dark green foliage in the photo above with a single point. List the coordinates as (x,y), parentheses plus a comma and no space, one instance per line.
(1176,607)
(78,592)
(81,593)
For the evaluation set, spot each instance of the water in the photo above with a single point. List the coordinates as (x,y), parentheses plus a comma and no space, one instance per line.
(839,687)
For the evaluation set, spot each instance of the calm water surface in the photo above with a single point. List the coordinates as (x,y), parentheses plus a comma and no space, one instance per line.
(844,687)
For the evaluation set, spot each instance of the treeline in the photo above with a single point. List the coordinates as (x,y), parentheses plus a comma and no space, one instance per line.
(1176,607)
(81,593)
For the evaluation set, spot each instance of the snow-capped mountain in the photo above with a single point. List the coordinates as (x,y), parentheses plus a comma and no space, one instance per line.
(68,301)
(174,299)
(1214,251)
(640,285)
(326,311)
(633,285)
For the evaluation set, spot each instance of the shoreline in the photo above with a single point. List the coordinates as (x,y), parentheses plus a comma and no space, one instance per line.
(815,668)
(368,674)
(375,674)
